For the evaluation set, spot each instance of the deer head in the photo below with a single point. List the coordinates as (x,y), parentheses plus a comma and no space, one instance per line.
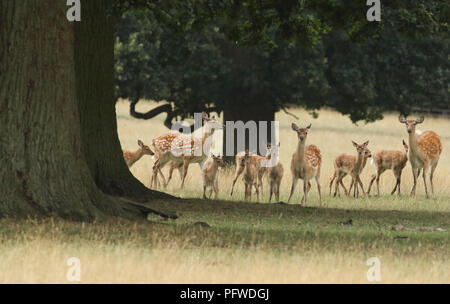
(410,124)
(362,149)
(405,146)
(211,123)
(145,149)
(302,133)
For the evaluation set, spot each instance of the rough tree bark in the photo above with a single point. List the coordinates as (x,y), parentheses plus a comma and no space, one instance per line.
(58,130)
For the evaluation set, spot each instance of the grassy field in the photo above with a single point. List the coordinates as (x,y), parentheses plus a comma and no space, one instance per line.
(253,242)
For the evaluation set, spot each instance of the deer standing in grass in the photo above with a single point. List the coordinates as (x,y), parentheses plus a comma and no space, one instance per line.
(305,164)
(345,164)
(132,157)
(184,148)
(424,152)
(256,160)
(250,176)
(274,171)
(390,160)
(210,175)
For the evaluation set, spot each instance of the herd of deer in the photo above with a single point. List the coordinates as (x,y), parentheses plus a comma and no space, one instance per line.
(180,150)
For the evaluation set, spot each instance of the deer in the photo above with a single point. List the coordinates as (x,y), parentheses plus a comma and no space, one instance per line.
(257,161)
(424,152)
(345,164)
(305,164)
(274,171)
(184,148)
(210,175)
(132,157)
(250,176)
(367,154)
(390,160)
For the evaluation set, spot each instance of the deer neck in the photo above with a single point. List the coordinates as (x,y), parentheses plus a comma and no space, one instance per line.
(301,153)
(412,142)
(207,133)
(136,156)
(359,162)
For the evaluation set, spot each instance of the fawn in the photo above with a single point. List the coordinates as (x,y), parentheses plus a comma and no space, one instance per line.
(386,160)
(210,175)
(350,164)
(274,172)
(184,148)
(256,160)
(424,152)
(250,176)
(132,157)
(305,164)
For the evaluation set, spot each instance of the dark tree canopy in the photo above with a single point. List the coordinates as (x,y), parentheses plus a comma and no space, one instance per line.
(204,70)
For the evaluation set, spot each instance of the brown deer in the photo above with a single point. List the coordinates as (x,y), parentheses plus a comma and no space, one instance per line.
(305,164)
(184,148)
(274,171)
(256,160)
(132,157)
(210,175)
(250,176)
(345,164)
(424,152)
(390,160)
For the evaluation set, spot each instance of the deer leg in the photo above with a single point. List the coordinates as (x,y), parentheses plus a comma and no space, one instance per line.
(318,189)
(305,191)
(362,186)
(424,175)
(216,188)
(294,185)
(257,192)
(372,179)
(239,170)
(270,191)
(277,192)
(185,170)
(345,189)
(415,173)
(332,180)
(433,167)
(397,179)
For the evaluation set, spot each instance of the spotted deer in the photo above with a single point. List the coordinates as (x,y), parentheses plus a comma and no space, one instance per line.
(185,148)
(256,160)
(367,154)
(305,164)
(424,152)
(346,164)
(274,172)
(390,160)
(250,176)
(210,175)
(132,157)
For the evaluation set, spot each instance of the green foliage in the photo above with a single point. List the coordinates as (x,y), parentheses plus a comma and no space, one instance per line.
(208,53)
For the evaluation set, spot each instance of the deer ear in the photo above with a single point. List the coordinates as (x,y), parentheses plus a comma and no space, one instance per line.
(204,115)
(140,143)
(278,144)
(403,142)
(420,120)
(366,143)
(402,119)
(309,127)
(355,144)
(294,127)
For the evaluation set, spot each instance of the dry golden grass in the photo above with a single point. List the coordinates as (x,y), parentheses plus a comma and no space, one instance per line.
(331,132)
(251,243)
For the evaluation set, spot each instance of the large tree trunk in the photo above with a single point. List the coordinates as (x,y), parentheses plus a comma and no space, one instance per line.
(58,132)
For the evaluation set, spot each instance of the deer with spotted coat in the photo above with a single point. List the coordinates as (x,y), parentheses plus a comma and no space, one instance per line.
(305,164)
(132,157)
(184,148)
(390,160)
(424,152)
